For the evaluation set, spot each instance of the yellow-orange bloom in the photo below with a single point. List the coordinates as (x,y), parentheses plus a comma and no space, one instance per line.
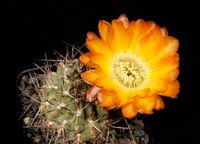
(132,65)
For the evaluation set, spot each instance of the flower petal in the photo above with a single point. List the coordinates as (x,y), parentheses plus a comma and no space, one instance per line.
(106,99)
(159,103)
(85,60)
(94,60)
(164,32)
(129,110)
(96,45)
(166,68)
(104,27)
(92,92)
(102,62)
(119,38)
(172,90)
(139,29)
(146,104)
(90,76)
(96,77)
(151,44)
(105,83)
(124,20)
(125,97)
(157,86)
(170,47)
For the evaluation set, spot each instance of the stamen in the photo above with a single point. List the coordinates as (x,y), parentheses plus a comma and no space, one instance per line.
(129,70)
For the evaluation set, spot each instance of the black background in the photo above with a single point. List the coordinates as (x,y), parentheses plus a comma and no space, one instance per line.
(38,27)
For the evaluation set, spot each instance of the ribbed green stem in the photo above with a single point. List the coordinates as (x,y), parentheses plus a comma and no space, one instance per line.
(63,93)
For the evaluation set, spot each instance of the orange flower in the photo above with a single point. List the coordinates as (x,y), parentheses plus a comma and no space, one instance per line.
(132,65)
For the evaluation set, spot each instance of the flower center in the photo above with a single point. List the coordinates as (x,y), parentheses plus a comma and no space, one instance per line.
(129,70)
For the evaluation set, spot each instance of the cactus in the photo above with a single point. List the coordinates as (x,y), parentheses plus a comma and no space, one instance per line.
(56,110)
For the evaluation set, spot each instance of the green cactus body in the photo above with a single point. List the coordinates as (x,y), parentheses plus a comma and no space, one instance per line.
(66,109)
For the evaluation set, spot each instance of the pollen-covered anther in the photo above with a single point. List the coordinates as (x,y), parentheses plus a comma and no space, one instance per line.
(129,71)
